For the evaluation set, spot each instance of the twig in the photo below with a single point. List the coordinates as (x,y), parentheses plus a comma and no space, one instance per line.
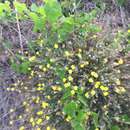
(122,14)
(122,122)
(19,32)
(1,28)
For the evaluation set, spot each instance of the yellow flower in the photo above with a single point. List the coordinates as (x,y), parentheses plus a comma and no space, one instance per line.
(56,46)
(105,93)
(94,74)
(73,67)
(31,119)
(97,84)
(97,129)
(40,113)
(90,80)
(37,53)
(59,89)
(93,92)
(38,129)
(32,73)
(44,104)
(48,128)
(75,88)
(26,52)
(70,71)
(47,117)
(44,69)
(68,118)
(39,84)
(56,88)
(8,89)
(118,82)
(52,60)
(59,101)
(70,78)
(86,62)
(105,106)
(67,53)
(129,31)
(24,103)
(105,60)
(67,85)
(20,117)
(33,123)
(120,61)
(39,88)
(33,58)
(22,128)
(94,36)
(72,92)
(104,88)
(64,79)
(79,55)
(120,90)
(12,89)
(53,128)
(37,100)
(48,97)
(27,110)
(80,50)
(39,121)
(82,65)
(123,90)
(48,65)
(86,95)
(43,84)
(66,68)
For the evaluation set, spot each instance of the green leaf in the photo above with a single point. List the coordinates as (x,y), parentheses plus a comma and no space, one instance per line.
(120,2)
(81,116)
(86,18)
(24,67)
(66,28)
(70,108)
(21,68)
(95,119)
(4,7)
(39,22)
(115,127)
(53,10)
(82,100)
(41,11)
(7,45)
(125,118)
(66,95)
(34,7)
(127,49)
(32,46)
(20,7)
(77,125)
(60,72)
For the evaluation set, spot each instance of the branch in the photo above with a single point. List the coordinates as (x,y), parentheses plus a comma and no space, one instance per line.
(19,32)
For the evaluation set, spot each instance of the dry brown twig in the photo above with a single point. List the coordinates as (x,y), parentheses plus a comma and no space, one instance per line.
(19,32)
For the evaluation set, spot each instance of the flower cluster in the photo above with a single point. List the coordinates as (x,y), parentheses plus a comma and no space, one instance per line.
(59,73)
